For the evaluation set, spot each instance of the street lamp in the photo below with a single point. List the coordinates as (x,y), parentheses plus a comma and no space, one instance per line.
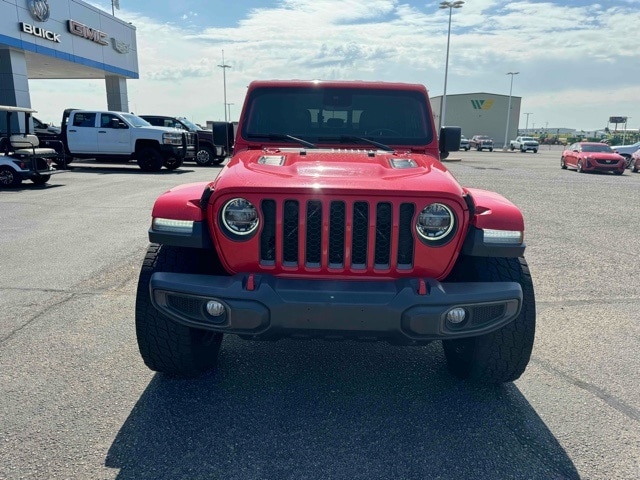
(229,109)
(526,129)
(224,67)
(443,104)
(506,133)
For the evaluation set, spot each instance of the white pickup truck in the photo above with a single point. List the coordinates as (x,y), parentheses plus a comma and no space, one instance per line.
(524,144)
(120,136)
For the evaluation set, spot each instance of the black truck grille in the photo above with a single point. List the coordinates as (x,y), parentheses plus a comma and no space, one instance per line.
(337,234)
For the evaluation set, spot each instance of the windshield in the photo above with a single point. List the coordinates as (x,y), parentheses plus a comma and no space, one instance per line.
(192,126)
(333,115)
(527,139)
(135,120)
(601,148)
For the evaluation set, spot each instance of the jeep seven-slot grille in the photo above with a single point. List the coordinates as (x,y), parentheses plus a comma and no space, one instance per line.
(370,224)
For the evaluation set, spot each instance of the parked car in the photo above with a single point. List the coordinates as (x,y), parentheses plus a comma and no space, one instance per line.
(45,131)
(208,152)
(480,142)
(592,157)
(634,165)
(626,151)
(340,230)
(524,144)
(464,143)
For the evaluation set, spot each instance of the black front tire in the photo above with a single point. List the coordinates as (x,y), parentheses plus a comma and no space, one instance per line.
(500,356)
(149,159)
(563,165)
(9,177)
(167,346)
(205,156)
(634,166)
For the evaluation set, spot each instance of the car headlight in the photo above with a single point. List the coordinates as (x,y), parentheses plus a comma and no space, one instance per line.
(240,217)
(172,138)
(435,222)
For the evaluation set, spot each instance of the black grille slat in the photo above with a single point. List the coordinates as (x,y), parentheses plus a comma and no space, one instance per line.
(383,235)
(337,226)
(290,230)
(486,313)
(405,236)
(268,235)
(360,235)
(314,233)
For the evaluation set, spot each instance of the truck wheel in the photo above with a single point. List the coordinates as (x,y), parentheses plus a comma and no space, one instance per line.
(165,345)
(9,177)
(149,159)
(535,150)
(205,156)
(500,356)
(491,149)
(172,163)
(41,180)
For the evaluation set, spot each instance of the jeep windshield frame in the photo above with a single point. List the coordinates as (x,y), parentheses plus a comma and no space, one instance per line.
(334,115)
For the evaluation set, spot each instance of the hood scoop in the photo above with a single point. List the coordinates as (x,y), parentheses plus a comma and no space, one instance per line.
(275,160)
(402,163)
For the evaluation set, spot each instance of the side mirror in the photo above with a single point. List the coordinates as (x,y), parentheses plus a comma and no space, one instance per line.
(449,140)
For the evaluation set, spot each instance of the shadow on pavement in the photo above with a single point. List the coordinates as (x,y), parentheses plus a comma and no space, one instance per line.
(297,409)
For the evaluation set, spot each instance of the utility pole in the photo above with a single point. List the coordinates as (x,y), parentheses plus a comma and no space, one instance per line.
(224,67)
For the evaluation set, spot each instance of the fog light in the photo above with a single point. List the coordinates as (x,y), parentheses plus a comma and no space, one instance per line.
(215,308)
(456,315)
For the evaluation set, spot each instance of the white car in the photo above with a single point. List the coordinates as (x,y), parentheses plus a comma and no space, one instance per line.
(464,143)
(626,151)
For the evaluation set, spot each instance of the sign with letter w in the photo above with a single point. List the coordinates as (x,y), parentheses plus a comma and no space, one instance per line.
(482,104)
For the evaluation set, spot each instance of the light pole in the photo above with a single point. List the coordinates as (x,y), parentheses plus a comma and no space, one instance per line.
(224,67)
(229,109)
(506,133)
(443,104)
(526,129)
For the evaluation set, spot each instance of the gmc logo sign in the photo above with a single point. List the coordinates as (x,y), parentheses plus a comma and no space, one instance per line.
(89,33)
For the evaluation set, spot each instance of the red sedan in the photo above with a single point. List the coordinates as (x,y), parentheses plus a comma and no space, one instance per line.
(592,157)
(634,165)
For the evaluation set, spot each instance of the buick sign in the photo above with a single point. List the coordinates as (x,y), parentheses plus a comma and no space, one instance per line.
(39,9)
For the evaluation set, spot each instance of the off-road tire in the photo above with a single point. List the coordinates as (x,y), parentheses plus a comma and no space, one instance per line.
(500,356)
(9,177)
(205,156)
(167,346)
(149,159)
(172,163)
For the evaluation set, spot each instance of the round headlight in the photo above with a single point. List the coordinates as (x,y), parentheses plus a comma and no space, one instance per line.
(435,222)
(240,216)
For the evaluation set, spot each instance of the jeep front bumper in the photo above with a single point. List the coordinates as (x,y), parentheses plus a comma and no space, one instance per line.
(400,311)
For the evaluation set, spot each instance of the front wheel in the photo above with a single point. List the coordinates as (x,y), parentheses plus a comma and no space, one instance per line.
(167,346)
(627,159)
(563,165)
(491,149)
(9,177)
(149,159)
(634,165)
(500,356)
(205,156)
(579,168)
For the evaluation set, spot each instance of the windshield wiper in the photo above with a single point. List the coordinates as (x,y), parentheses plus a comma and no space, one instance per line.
(352,138)
(282,136)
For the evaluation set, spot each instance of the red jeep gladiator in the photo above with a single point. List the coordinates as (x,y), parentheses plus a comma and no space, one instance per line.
(336,219)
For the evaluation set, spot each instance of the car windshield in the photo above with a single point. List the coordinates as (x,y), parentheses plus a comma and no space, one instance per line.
(135,120)
(337,115)
(527,139)
(192,126)
(597,148)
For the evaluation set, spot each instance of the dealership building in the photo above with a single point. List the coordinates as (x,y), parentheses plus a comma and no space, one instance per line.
(63,39)
(480,114)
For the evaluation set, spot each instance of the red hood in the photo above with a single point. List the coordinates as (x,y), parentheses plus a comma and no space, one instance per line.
(337,170)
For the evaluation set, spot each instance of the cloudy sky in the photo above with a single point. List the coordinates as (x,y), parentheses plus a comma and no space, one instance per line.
(578,61)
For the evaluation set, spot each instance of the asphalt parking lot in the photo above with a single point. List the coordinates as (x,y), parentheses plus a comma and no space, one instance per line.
(76,401)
